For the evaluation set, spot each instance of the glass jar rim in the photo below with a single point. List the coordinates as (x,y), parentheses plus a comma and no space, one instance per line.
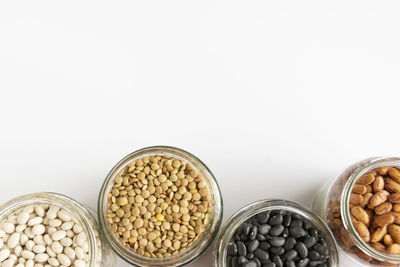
(246,212)
(206,238)
(63,201)
(345,207)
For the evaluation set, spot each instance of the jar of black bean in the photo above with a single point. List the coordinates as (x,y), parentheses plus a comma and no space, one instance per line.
(275,233)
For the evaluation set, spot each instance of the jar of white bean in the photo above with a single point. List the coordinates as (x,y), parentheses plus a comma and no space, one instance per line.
(48,229)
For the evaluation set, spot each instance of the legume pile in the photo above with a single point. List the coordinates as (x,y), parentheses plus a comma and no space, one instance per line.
(375,208)
(275,239)
(42,235)
(158,206)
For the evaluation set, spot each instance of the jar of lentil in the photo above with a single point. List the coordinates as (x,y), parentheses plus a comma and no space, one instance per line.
(160,206)
(275,233)
(361,208)
(49,229)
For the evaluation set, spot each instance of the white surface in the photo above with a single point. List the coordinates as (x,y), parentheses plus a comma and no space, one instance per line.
(276,97)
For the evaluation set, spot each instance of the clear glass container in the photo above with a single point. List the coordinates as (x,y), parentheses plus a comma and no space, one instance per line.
(199,246)
(227,232)
(332,203)
(100,253)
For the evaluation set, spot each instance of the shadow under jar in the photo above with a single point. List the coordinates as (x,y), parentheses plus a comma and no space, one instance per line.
(131,244)
(297,211)
(360,208)
(99,252)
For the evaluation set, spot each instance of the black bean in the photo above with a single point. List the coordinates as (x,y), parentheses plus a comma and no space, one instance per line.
(277,241)
(262,255)
(236,237)
(250,264)
(250,256)
(290,264)
(257,261)
(262,217)
(278,261)
(301,249)
(253,232)
(315,263)
(306,225)
(314,232)
(276,230)
(260,237)
(322,265)
(297,231)
(277,250)
(310,241)
(290,243)
(287,219)
(229,260)
(321,249)
(303,262)
(264,229)
(264,245)
(241,248)
(232,249)
(253,245)
(290,255)
(313,255)
(234,262)
(242,259)
(276,219)
(296,223)
(269,264)
(246,229)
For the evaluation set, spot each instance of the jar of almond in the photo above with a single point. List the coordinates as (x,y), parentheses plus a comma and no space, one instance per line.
(160,206)
(362,208)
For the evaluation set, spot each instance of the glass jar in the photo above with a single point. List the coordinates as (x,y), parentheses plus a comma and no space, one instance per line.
(100,254)
(221,247)
(200,245)
(332,203)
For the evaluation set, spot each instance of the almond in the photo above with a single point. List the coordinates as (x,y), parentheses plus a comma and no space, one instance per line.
(379,234)
(391,185)
(395,174)
(366,179)
(360,214)
(383,208)
(379,184)
(381,220)
(363,231)
(394,231)
(378,198)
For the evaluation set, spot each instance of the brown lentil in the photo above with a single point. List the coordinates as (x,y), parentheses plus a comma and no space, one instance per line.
(158,206)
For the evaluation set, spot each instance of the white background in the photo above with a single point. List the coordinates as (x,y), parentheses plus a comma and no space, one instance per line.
(276,97)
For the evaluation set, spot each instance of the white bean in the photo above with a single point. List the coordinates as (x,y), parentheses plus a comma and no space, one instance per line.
(39,210)
(29,245)
(58,235)
(47,239)
(77,228)
(8,227)
(13,240)
(17,250)
(69,252)
(24,239)
(23,218)
(50,252)
(81,238)
(66,242)
(38,229)
(7,263)
(27,254)
(20,228)
(79,263)
(2,233)
(67,225)
(1,243)
(4,254)
(29,263)
(63,259)
(57,247)
(64,215)
(79,253)
(41,257)
(39,249)
(35,221)
(39,240)
(55,222)
(52,212)
(53,262)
